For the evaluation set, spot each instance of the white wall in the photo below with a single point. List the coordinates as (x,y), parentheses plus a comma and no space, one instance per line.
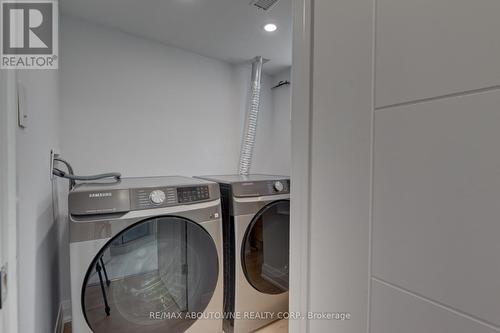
(38,217)
(8,207)
(272,151)
(143,108)
(4,140)
(135,106)
(414,84)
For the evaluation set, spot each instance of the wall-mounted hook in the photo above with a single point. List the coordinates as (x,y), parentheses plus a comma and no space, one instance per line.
(281,83)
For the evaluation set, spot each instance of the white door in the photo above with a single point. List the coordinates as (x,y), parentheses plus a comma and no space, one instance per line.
(8,311)
(399,176)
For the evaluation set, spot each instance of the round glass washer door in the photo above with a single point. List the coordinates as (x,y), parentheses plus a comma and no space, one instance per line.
(151,278)
(266,249)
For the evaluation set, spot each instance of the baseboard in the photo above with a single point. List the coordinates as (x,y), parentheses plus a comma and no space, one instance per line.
(63,316)
(59,321)
(66,306)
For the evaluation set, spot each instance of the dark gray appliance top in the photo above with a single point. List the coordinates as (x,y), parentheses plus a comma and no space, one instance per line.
(253,185)
(231,179)
(138,182)
(130,194)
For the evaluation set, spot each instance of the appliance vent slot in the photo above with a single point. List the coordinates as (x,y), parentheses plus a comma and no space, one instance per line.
(264,4)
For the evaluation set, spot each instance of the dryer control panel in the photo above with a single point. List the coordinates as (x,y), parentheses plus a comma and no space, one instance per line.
(261,188)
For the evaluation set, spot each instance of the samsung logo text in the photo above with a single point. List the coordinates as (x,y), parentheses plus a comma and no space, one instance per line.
(101,195)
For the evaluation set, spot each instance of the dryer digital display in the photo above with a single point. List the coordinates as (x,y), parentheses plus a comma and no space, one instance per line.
(190,194)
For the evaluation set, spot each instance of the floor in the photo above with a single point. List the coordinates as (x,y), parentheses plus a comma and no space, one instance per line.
(277,327)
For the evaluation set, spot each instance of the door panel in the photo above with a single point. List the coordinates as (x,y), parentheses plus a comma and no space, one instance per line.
(170,271)
(397,312)
(431,48)
(436,202)
(266,249)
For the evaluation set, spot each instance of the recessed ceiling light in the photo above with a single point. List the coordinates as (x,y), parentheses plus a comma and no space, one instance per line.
(270,27)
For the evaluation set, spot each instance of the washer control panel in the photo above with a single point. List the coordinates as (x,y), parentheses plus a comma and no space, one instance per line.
(147,198)
(87,200)
(191,194)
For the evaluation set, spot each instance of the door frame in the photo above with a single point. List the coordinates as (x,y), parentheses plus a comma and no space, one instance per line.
(8,206)
(300,173)
(242,237)
(301,163)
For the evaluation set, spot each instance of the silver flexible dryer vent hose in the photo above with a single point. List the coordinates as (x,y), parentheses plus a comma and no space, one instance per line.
(248,141)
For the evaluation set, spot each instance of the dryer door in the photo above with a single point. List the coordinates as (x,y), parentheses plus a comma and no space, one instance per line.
(265,250)
(151,278)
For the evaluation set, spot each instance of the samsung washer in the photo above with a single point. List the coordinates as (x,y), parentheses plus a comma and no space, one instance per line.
(256,227)
(146,256)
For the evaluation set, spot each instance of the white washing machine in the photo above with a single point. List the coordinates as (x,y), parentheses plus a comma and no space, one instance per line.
(256,227)
(146,256)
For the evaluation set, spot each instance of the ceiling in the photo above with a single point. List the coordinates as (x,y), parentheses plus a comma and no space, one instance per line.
(229,30)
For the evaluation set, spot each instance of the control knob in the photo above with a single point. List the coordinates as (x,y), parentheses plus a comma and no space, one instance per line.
(157,197)
(278,186)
